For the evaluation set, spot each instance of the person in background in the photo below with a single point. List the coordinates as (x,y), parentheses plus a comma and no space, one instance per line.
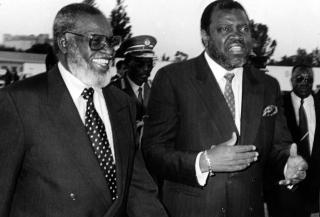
(121,73)
(139,60)
(68,143)
(213,123)
(302,111)
(51,59)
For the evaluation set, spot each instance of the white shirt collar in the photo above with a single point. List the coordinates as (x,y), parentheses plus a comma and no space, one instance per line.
(218,70)
(297,100)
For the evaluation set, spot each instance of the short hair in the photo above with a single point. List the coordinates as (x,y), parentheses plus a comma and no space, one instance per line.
(302,66)
(218,5)
(67,17)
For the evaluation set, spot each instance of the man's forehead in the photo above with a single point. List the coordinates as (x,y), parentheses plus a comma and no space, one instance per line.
(93,23)
(228,15)
(303,71)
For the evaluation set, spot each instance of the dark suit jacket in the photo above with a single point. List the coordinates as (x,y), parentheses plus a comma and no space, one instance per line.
(304,198)
(47,165)
(188,114)
(128,89)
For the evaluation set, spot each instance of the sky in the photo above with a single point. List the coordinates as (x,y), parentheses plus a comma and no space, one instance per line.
(175,23)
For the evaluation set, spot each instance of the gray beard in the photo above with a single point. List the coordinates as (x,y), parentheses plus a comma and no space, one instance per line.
(81,70)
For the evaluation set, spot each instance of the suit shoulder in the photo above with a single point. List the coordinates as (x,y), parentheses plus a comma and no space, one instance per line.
(31,84)
(120,94)
(178,66)
(177,70)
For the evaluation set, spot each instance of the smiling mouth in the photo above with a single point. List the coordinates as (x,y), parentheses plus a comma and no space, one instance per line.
(101,62)
(236,48)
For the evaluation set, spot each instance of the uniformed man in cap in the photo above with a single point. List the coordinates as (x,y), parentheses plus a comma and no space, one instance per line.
(138,57)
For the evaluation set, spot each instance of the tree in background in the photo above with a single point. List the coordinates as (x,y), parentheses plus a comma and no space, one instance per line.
(180,56)
(301,57)
(263,45)
(39,48)
(89,2)
(120,21)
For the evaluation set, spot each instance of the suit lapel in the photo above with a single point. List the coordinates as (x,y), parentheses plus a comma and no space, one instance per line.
(122,132)
(71,131)
(146,94)
(211,95)
(291,116)
(252,104)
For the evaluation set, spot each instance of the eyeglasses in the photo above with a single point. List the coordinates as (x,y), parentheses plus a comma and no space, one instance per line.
(98,42)
(301,79)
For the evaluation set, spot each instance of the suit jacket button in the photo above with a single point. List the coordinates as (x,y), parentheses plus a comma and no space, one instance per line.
(251,209)
(72,196)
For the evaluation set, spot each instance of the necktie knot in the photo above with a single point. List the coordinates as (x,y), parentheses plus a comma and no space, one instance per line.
(229,77)
(87,93)
(302,101)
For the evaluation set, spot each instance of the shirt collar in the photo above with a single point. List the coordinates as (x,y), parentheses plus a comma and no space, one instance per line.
(297,100)
(218,70)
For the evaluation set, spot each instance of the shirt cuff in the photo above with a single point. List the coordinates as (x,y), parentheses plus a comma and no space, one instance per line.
(201,177)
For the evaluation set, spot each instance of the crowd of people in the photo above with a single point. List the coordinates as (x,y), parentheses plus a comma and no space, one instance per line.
(211,136)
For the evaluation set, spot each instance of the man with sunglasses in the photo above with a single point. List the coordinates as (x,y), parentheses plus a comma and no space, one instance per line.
(302,111)
(67,138)
(138,58)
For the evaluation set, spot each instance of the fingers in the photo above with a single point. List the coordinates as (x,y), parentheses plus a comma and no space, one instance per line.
(302,165)
(285,182)
(230,168)
(293,150)
(252,156)
(232,141)
(244,148)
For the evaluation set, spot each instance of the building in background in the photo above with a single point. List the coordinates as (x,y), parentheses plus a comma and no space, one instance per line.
(24,42)
(22,64)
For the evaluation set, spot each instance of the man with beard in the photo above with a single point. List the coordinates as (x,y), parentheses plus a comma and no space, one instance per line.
(208,136)
(68,138)
(302,111)
(138,58)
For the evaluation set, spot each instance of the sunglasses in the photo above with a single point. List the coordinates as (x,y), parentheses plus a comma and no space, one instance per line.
(301,79)
(98,42)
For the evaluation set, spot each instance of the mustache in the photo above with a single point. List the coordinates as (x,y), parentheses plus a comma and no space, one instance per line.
(235,41)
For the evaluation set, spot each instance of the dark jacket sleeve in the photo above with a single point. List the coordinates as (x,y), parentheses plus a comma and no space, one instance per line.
(281,141)
(143,192)
(11,150)
(160,133)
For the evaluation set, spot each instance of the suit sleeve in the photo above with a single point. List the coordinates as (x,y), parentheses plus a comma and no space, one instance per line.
(11,151)
(143,192)
(163,158)
(281,141)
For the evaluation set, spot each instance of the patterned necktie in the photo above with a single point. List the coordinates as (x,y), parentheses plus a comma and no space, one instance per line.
(303,147)
(228,93)
(100,144)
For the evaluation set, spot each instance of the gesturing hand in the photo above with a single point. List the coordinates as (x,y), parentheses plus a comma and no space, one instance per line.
(296,168)
(226,157)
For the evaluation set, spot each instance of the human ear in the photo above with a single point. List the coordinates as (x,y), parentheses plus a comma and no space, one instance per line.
(204,38)
(62,43)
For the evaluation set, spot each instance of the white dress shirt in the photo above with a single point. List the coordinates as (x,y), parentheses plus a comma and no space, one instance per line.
(75,88)
(219,72)
(308,105)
